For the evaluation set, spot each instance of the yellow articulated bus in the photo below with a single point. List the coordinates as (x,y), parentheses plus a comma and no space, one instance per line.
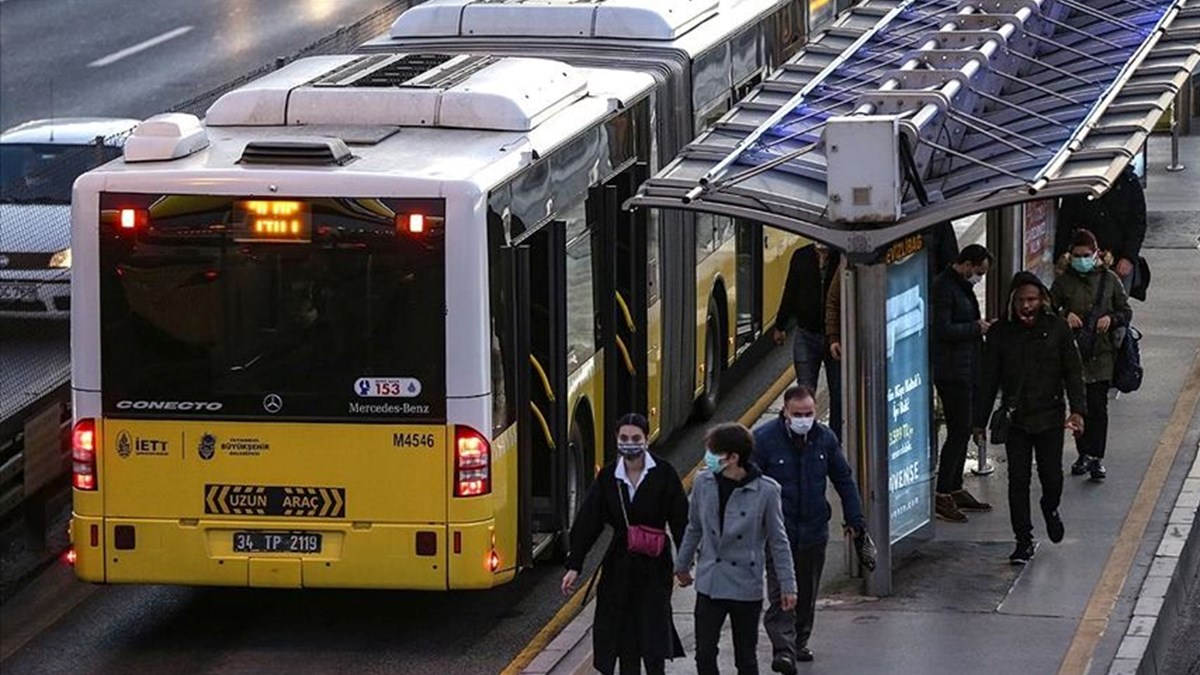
(364,326)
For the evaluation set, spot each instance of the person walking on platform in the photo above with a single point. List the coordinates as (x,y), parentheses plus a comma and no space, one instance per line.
(640,496)
(810,275)
(734,518)
(958,331)
(1030,358)
(801,454)
(1093,301)
(1118,221)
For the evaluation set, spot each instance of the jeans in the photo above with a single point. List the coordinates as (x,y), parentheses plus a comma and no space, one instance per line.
(809,351)
(956,405)
(789,631)
(710,617)
(1022,446)
(1094,439)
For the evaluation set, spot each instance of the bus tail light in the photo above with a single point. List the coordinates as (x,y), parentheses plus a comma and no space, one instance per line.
(83,455)
(134,219)
(472,463)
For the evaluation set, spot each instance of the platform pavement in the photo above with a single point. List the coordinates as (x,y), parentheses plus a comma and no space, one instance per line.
(958,605)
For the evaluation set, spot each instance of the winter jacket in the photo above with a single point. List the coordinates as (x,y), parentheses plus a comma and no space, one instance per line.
(730,560)
(833,306)
(958,341)
(805,291)
(1076,293)
(1117,218)
(632,588)
(802,467)
(1031,366)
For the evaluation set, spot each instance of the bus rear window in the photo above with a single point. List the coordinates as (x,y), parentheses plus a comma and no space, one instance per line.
(308,309)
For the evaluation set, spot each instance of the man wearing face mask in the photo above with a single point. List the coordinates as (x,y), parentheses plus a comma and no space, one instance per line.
(1030,359)
(958,331)
(733,519)
(801,454)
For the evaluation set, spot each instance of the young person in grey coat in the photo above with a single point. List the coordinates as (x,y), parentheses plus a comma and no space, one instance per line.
(734,517)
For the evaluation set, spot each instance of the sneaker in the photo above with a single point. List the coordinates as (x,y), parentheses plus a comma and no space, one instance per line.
(1080,466)
(1022,554)
(804,654)
(1097,471)
(1054,526)
(946,509)
(783,664)
(966,501)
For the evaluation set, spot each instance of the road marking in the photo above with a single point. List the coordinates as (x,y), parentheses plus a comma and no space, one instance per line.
(141,46)
(1104,597)
(574,605)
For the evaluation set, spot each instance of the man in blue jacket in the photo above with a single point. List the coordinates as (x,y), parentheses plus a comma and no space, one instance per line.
(801,454)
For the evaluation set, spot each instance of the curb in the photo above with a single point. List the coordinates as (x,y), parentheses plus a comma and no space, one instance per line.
(1162,597)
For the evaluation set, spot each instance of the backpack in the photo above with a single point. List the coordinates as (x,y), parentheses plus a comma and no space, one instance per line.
(1127,373)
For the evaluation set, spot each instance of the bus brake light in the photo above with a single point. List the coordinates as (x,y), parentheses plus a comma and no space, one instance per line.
(472,463)
(416,223)
(83,455)
(132,219)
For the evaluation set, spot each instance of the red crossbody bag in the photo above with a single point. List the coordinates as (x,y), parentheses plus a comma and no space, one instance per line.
(641,539)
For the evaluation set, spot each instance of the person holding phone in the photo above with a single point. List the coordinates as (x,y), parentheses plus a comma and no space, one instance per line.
(958,331)
(1030,359)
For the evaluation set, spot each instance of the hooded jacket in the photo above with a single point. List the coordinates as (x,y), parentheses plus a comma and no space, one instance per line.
(1031,366)
(1075,292)
(1117,218)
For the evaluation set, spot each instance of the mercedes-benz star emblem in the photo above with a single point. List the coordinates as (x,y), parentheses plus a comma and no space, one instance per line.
(273,403)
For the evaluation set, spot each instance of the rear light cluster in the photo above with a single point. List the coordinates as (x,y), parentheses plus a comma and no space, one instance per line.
(83,455)
(134,219)
(472,463)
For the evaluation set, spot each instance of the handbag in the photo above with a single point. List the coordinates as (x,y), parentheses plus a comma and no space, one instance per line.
(641,539)
(1085,337)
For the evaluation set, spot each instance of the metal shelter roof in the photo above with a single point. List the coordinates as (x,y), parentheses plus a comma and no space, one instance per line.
(908,113)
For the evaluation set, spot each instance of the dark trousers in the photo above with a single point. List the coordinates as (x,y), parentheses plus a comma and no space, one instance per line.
(956,406)
(629,657)
(809,351)
(789,631)
(1094,439)
(710,618)
(1022,447)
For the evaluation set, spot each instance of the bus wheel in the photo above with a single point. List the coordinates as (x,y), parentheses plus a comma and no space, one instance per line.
(706,405)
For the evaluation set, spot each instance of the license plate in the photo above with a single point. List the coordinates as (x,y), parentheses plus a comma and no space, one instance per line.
(276,542)
(17,292)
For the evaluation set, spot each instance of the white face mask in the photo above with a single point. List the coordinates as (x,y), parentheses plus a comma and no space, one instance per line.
(800,425)
(974,279)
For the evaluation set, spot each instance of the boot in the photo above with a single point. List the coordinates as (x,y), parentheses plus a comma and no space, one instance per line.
(1096,469)
(966,501)
(1080,466)
(947,510)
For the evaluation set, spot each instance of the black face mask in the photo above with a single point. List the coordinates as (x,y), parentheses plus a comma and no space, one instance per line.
(631,450)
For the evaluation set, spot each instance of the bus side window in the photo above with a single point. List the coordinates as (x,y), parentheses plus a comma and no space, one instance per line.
(499,290)
(581,314)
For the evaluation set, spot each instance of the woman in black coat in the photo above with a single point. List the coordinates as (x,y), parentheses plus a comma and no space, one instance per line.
(633,620)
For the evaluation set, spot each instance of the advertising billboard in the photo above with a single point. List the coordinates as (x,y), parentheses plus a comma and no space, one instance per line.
(909,393)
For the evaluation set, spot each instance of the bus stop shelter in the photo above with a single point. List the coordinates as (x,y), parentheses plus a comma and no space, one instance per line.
(900,117)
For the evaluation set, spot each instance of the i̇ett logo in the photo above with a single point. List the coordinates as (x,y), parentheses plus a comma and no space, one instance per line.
(124,444)
(272,403)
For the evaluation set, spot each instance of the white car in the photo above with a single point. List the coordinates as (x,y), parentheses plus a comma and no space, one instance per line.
(39,161)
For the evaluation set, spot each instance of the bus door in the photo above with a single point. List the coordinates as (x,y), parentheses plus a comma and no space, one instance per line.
(749,246)
(623,297)
(543,376)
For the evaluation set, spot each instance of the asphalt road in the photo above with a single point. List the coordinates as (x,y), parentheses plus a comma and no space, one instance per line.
(135,58)
(62,625)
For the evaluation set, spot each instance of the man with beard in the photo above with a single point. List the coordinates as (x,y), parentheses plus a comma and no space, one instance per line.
(1030,359)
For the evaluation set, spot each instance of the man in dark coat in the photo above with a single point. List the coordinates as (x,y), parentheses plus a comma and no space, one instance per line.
(958,331)
(1117,218)
(805,294)
(1030,358)
(802,454)
(633,598)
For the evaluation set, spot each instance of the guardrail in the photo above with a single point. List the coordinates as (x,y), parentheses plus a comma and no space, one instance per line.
(35,411)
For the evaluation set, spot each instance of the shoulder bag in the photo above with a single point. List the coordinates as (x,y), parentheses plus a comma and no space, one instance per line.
(641,539)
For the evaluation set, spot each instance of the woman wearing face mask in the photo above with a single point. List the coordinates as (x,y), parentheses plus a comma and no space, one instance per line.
(1093,301)
(640,496)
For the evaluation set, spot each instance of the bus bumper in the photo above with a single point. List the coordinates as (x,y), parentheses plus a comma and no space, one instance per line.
(353,555)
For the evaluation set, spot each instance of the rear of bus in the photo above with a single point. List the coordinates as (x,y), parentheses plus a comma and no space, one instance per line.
(261,396)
